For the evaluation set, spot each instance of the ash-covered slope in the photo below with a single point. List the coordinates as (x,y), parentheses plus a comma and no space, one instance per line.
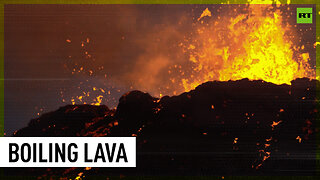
(220,128)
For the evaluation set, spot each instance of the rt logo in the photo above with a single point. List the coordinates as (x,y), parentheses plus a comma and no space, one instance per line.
(304,15)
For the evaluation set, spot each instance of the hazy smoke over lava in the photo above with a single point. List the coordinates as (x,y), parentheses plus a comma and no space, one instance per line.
(225,42)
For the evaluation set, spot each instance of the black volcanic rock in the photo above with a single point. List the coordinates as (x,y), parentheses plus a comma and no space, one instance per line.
(67,121)
(220,128)
(134,110)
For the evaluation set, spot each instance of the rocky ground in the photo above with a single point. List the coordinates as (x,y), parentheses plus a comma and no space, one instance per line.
(220,128)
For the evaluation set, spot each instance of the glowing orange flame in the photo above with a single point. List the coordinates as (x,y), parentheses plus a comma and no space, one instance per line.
(250,46)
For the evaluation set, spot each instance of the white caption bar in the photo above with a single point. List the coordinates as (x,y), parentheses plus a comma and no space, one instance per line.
(67,152)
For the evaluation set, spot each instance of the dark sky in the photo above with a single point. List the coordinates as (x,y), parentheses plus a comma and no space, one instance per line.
(129,41)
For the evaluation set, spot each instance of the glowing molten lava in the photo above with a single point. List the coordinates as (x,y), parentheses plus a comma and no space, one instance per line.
(251,45)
